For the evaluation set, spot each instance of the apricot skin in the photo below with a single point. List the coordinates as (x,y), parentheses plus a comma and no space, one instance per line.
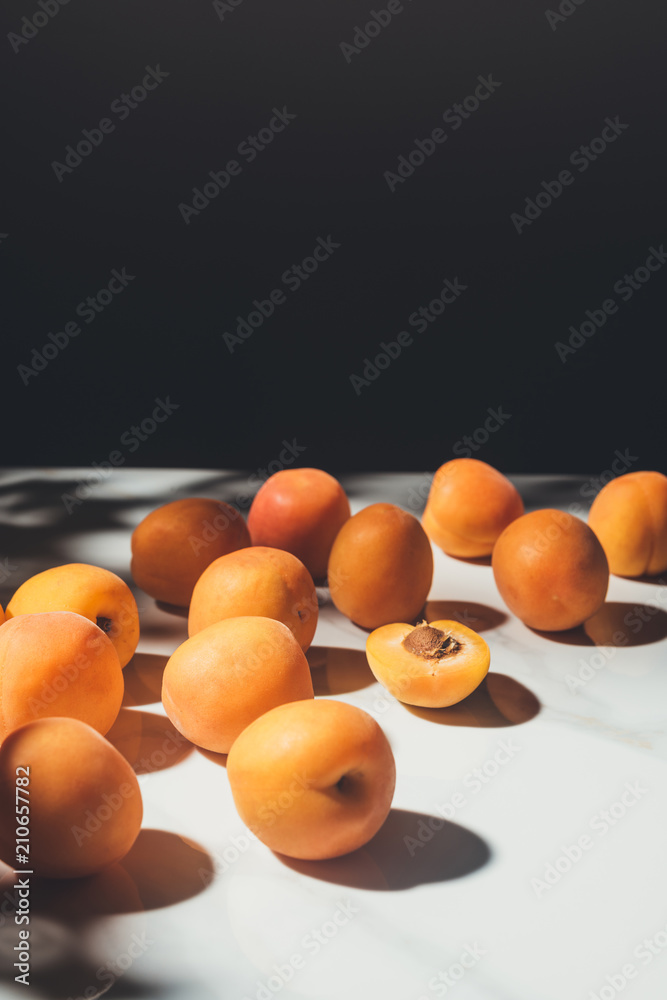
(224,677)
(313,779)
(428,683)
(380,567)
(175,543)
(551,570)
(260,581)
(91,591)
(301,511)
(57,663)
(629,516)
(470,503)
(84,798)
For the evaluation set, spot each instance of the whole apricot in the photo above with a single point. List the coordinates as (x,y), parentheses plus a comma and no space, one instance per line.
(313,779)
(431,665)
(551,570)
(629,516)
(91,591)
(175,543)
(380,567)
(224,677)
(84,802)
(302,511)
(468,506)
(57,663)
(260,581)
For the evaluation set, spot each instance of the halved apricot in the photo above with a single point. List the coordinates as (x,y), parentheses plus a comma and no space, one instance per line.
(430,665)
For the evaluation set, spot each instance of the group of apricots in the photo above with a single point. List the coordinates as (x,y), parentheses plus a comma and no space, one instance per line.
(241,684)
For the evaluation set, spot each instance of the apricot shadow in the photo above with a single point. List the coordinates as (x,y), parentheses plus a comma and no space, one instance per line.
(173,609)
(148,742)
(406,852)
(473,560)
(216,758)
(338,671)
(478,617)
(616,624)
(143,679)
(498,701)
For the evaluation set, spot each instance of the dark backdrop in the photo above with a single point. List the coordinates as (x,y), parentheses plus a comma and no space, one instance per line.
(523,286)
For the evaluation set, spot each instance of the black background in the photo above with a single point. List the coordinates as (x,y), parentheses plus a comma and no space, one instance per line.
(323,175)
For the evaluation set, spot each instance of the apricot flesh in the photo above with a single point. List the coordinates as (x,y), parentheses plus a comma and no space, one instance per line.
(91,591)
(224,677)
(469,504)
(431,665)
(313,779)
(380,567)
(258,580)
(57,663)
(629,516)
(302,511)
(84,798)
(175,543)
(551,570)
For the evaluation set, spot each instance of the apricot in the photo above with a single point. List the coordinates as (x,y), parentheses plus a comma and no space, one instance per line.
(224,677)
(629,516)
(301,511)
(258,580)
(468,506)
(84,801)
(313,779)
(431,665)
(57,663)
(551,570)
(174,544)
(91,591)
(380,567)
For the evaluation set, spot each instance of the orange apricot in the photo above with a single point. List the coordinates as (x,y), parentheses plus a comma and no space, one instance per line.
(551,570)
(226,676)
(91,591)
(85,806)
(468,506)
(260,581)
(629,516)
(431,665)
(175,543)
(302,511)
(57,663)
(313,779)
(380,567)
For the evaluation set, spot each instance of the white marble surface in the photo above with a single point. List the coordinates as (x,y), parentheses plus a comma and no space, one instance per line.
(565,745)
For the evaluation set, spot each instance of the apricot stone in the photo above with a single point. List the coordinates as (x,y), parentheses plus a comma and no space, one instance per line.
(302,511)
(629,516)
(468,506)
(91,591)
(57,663)
(380,567)
(551,570)
(174,544)
(85,807)
(313,779)
(260,581)
(226,676)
